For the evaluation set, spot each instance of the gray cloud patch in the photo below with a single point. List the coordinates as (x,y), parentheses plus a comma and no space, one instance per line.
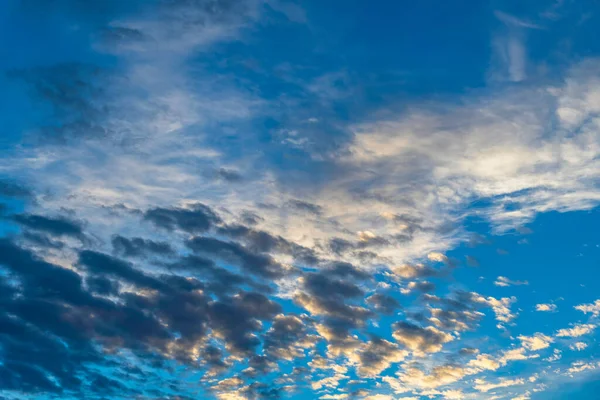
(383,303)
(136,247)
(12,189)
(57,226)
(196,219)
(306,206)
(257,264)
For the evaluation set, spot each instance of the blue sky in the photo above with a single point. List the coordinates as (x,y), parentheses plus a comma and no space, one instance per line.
(275,199)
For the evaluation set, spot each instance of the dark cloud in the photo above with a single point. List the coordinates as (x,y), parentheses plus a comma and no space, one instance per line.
(195,219)
(345,270)
(115,36)
(334,294)
(42,240)
(53,308)
(288,337)
(457,311)
(421,286)
(383,303)
(340,246)
(411,224)
(228,175)
(323,286)
(103,264)
(260,365)
(214,359)
(377,355)
(264,242)
(236,319)
(37,315)
(136,247)
(77,98)
(468,351)
(257,264)
(416,338)
(262,391)
(102,286)
(57,226)
(306,207)
(218,280)
(42,279)
(12,189)
(250,218)
(472,261)
(366,256)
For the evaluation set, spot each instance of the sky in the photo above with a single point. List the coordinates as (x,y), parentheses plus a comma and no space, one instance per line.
(278,199)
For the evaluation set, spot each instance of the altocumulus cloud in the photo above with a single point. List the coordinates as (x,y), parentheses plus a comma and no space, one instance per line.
(194,210)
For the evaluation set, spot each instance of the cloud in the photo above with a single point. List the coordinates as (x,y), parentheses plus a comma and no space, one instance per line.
(576,331)
(376,356)
(420,340)
(136,247)
(241,264)
(12,189)
(485,362)
(438,376)
(579,346)
(510,46)
(501,307)
(198,218)
(485,387)
(408,271)
(505,282)
(422,286)
(57,226)
(452,152)
(592,308)
(305,206)
(288,338)
(258,264)
(178,27)
(264,242)
(581,366)
(383,303)
(544,307)
(329,295)
(536,342)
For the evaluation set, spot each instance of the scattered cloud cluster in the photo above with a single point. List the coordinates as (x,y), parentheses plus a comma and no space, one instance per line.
(178,231)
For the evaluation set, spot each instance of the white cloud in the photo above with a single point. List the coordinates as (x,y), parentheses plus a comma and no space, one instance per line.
(544,307)
(438,257)
(430,162)
(582,366)
(483,386)
(592,308)
(505,282)
(439,376)
(536,342)
(485,362)
(579,346)
(501,307)
(576,331)
(557,355)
